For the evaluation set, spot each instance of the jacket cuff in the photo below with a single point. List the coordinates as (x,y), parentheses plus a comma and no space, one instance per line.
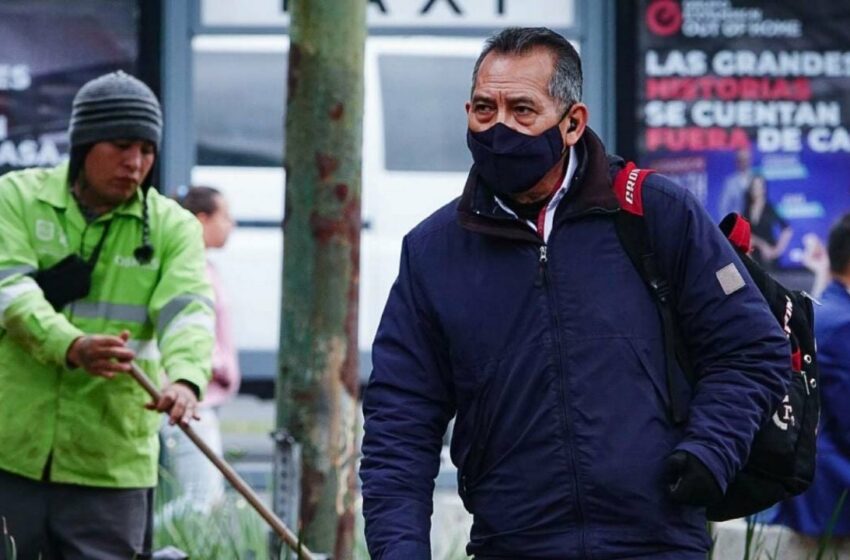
(710,459)
(59,341)
(189,374)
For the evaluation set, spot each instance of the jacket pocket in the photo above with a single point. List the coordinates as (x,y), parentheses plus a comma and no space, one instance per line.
(653,361)
(507,419)
(471,439)
(472,429)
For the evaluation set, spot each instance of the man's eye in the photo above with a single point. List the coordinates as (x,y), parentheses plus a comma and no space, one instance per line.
(483,108)
(523,110)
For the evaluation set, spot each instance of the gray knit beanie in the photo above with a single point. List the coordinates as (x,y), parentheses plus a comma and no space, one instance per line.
(113,106)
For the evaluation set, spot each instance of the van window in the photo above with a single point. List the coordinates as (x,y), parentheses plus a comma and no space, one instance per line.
(424,120)
(232,127)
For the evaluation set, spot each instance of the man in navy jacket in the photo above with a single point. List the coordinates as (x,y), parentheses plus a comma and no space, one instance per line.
(811,512)
(517,310)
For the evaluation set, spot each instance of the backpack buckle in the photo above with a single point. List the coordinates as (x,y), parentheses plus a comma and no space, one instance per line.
(661,289)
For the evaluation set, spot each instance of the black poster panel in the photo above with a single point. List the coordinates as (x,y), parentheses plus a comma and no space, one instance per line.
(48,49)
(746,104)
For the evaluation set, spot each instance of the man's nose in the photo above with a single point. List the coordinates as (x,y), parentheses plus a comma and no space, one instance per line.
(505,116)
(133,157)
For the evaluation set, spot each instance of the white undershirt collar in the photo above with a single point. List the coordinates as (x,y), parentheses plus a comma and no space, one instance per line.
(572,165)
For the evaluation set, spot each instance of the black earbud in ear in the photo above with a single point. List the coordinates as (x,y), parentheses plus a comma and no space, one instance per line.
(573,125)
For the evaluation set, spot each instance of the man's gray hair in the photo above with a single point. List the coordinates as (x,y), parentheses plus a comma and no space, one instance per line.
(565,83)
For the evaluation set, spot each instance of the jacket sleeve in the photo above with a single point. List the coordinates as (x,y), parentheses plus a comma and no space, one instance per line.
(834,363)
(225,363)
(740,355)
(182,307)
(407,406)
(25,315)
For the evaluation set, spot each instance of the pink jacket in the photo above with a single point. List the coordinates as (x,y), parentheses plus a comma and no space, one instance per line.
(225,365)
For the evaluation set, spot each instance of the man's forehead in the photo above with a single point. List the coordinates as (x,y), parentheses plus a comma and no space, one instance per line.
(530,69)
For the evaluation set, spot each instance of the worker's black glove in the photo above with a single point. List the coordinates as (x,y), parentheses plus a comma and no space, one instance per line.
(690,482)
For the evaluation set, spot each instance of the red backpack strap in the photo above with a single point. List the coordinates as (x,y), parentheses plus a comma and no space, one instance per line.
(737,230)
(628,185)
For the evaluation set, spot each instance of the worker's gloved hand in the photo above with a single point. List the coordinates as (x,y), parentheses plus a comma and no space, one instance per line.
(690,482)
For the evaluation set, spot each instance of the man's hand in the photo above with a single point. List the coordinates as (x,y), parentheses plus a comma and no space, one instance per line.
(102,355)
(690,482)
(179,401)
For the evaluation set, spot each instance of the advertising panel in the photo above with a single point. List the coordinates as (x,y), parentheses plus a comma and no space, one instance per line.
(747,105)
(48,49)
(454,14)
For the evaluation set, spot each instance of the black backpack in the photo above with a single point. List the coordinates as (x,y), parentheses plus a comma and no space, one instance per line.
(781,463)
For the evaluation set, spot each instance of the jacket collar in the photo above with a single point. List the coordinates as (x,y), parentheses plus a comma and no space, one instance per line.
(56,192)
(590,191)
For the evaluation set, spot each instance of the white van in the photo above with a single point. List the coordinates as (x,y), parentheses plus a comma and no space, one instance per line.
(414,161)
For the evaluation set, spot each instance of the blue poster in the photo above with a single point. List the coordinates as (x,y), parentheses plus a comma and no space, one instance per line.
(747,105)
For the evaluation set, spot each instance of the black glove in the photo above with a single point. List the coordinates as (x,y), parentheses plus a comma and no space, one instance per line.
(690,482)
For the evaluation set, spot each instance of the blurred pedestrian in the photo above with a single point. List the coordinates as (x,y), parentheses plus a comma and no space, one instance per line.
(518,310)
(771,233)
(96,270)
(814,257)
(811,513)
(735,186)
(199,485)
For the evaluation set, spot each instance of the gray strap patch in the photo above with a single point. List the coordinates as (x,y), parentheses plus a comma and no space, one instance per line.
(730,279)
(175,306)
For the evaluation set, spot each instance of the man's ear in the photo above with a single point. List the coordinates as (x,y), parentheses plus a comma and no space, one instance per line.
(203,217)
(467,106)
(574,124)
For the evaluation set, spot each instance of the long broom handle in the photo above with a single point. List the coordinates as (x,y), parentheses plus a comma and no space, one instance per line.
(235,480)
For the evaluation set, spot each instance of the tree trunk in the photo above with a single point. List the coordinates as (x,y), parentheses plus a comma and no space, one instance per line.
(318,377)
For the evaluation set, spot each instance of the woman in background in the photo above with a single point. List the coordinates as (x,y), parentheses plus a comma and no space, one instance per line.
(198,483)
(765,221)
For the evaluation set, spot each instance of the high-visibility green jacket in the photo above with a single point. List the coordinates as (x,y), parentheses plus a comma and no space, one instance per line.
(94,431)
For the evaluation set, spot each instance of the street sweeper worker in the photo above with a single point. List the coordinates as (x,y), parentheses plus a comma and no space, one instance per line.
(97,270)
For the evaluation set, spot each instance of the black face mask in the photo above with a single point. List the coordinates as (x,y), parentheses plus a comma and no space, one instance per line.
(510,162)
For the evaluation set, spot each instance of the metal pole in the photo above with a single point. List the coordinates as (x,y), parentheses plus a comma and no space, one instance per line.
(318,383)
(231,475)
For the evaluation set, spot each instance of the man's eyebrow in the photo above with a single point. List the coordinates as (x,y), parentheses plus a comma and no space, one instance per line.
(482,97)
(522,99)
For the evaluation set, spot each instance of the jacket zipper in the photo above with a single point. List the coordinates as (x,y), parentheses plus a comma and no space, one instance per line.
(544,279)
(544,269)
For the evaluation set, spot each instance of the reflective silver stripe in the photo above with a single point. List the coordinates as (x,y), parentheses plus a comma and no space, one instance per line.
(111,311)
(200,319)
(175,306)
(6,272)
(144,349)
(10,293)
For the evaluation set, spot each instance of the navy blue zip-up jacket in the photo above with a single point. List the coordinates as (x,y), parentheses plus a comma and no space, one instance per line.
(552,358)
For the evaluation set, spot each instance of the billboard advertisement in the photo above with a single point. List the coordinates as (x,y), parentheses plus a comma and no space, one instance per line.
(747,105)
(48,49)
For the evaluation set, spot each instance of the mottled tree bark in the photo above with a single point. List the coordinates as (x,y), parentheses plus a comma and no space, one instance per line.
(318,377)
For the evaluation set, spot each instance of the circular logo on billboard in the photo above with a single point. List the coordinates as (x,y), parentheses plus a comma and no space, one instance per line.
(664,17)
